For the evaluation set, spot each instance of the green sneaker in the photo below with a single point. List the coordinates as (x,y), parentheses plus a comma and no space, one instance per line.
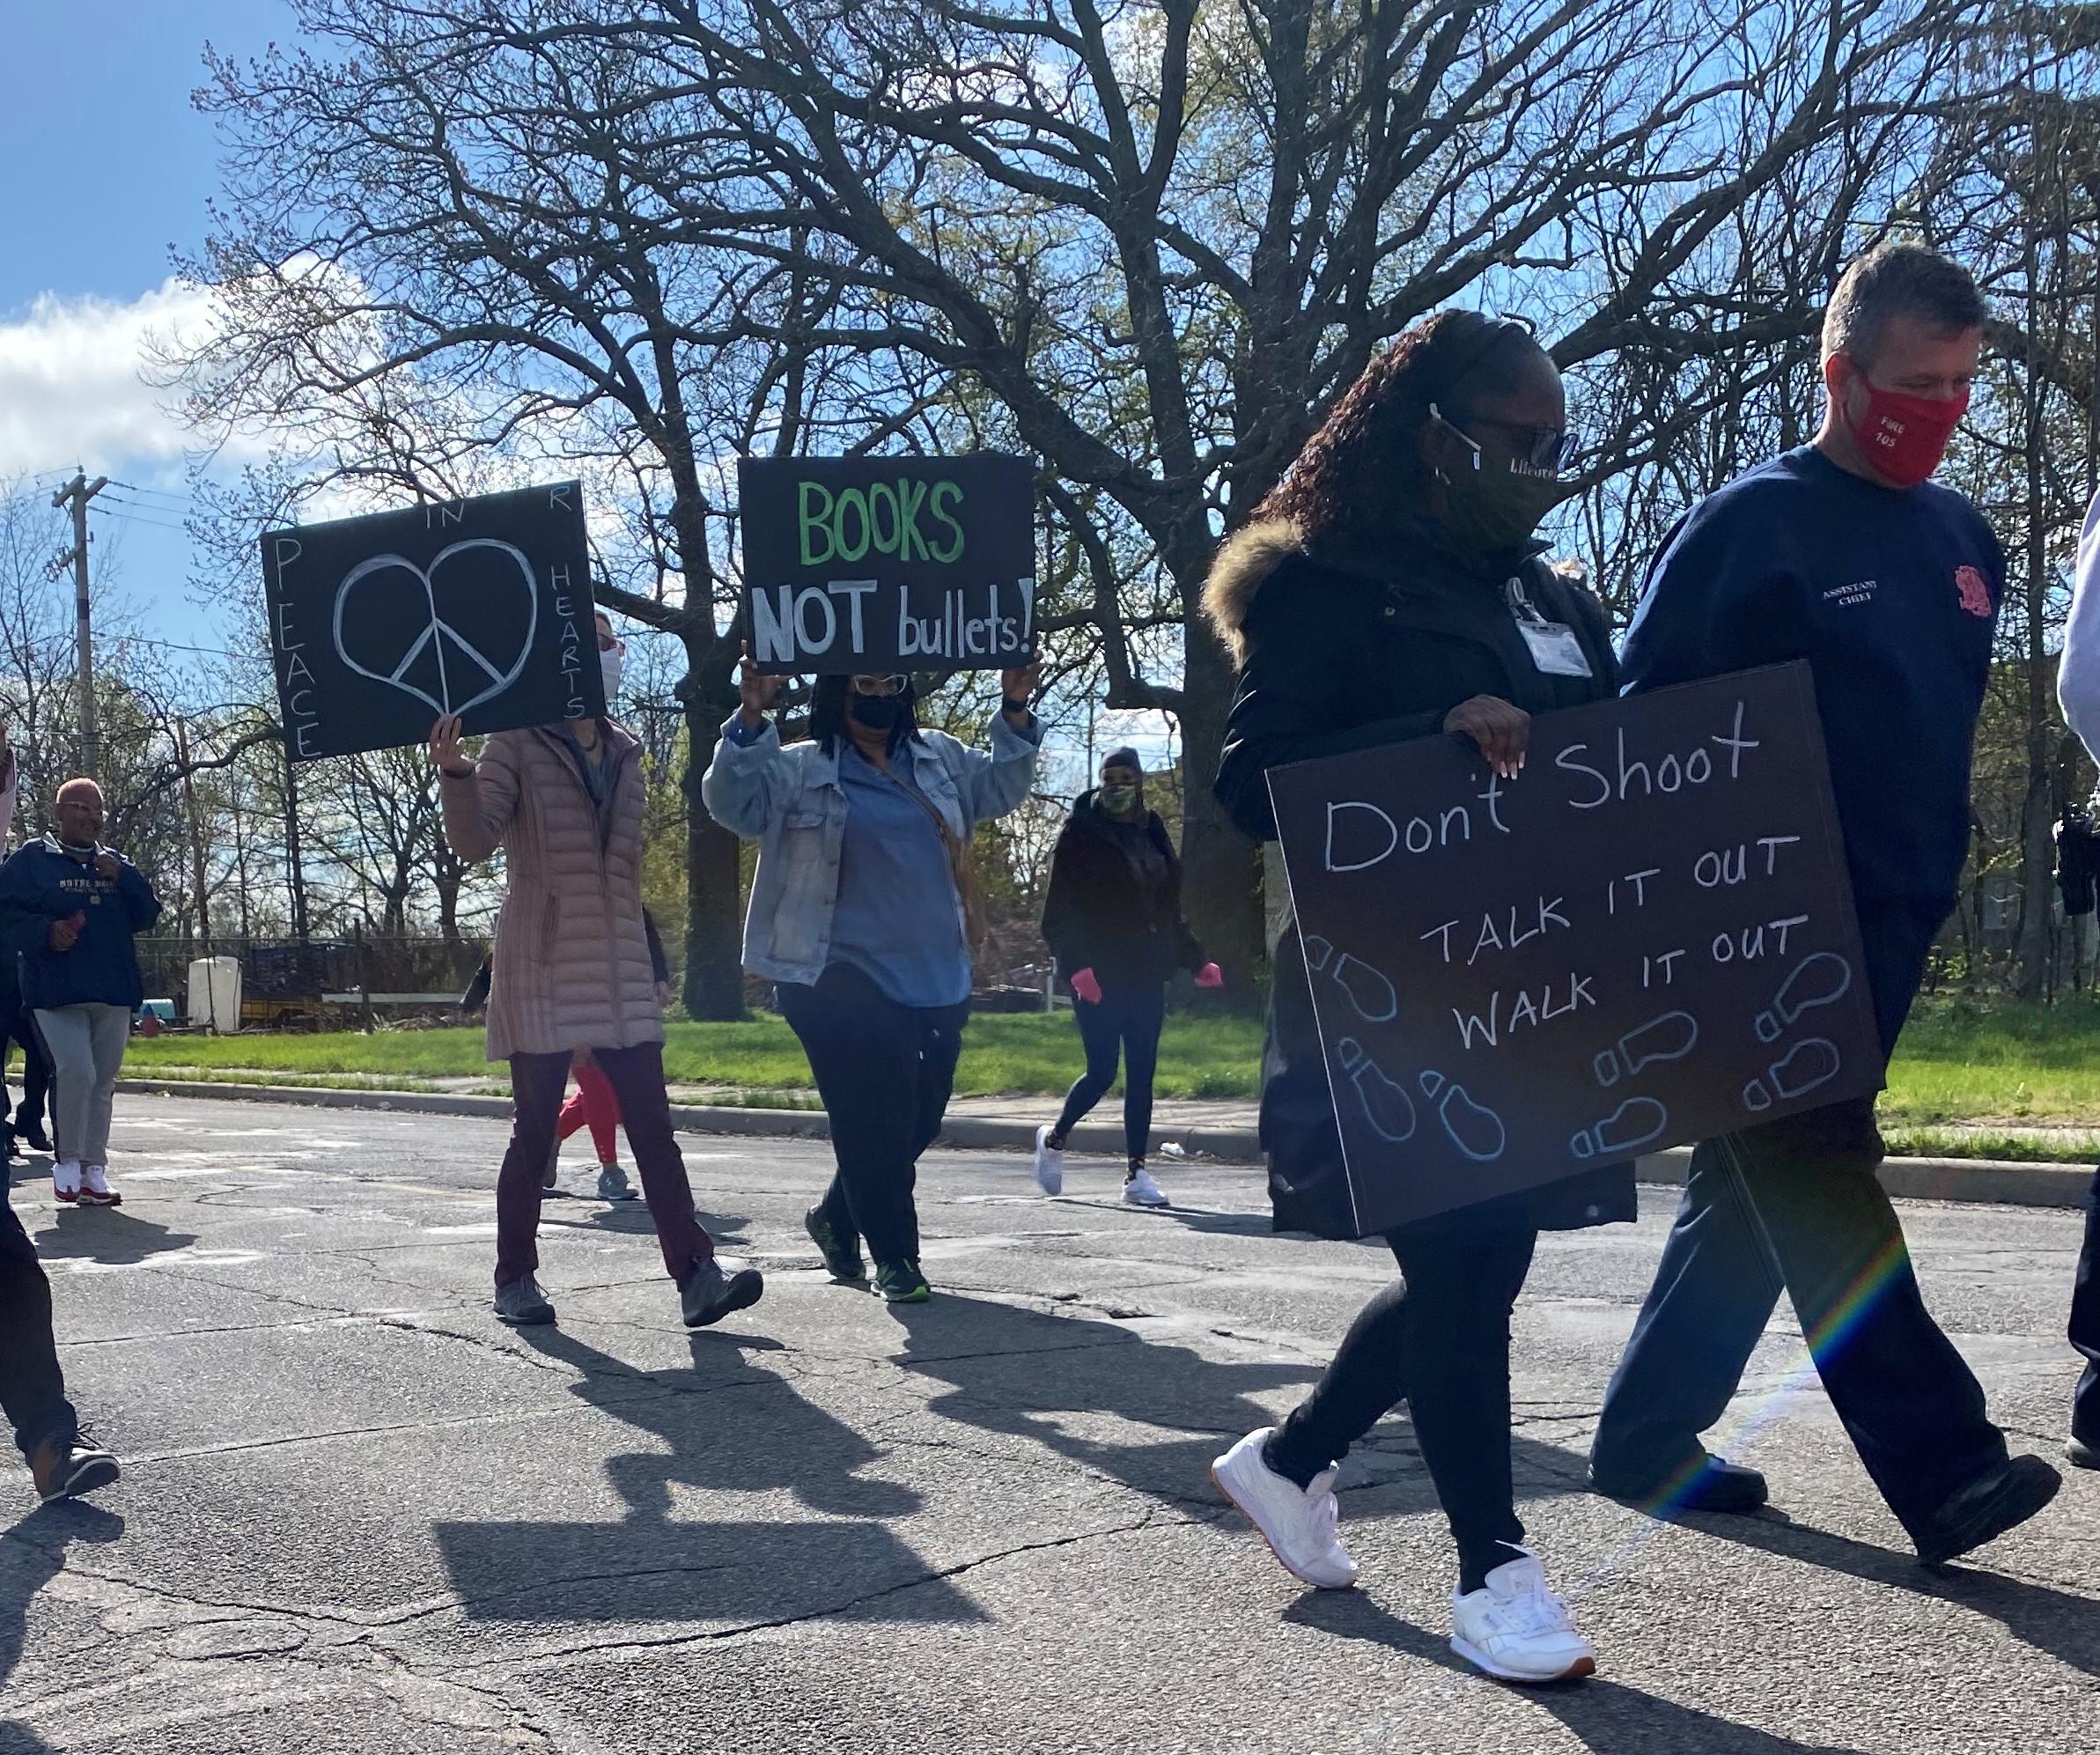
(900,1282)
(841,1256)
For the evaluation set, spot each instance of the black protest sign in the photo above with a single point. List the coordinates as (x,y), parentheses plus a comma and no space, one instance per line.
(1646,938)
(870,564)
(476,606)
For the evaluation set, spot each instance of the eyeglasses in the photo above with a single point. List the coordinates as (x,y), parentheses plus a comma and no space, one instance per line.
(880,686)
(1539,450)
(1550,450)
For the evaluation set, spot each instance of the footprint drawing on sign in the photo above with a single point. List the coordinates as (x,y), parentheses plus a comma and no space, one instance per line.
(447,642)
(1822,980)
(1368,991)
(1806,1067)
(1668,1037)
(1476,1130)
(1636,1123)
(1387,1106)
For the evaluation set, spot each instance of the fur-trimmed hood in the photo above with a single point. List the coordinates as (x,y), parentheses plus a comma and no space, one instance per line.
(1241,569)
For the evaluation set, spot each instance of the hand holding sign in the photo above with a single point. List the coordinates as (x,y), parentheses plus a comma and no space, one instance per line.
(1019,685)
(445,749)
(1502,731)
(757,693)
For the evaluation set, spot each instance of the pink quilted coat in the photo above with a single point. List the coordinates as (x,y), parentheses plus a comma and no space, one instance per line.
(571,965)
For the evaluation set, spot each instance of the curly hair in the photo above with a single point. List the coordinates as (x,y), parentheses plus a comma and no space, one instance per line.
(1362,468)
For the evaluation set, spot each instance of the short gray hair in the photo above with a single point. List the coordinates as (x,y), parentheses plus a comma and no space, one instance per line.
(1898,280)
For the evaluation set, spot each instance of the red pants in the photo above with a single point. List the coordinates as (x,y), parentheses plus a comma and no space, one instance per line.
(596,1105)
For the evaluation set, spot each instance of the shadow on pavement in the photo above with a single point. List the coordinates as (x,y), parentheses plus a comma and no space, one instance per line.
(32,1554)
(107,1234)
(1015,1370)
(653,1566)
(2055,1622)
(1609,1717)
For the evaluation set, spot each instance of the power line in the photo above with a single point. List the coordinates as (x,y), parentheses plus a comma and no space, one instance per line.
(140,518)
(157,493)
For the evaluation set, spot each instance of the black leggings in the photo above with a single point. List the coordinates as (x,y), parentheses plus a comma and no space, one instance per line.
(1125,1025)
(1440,1342)
(32,1390)
(885,1073)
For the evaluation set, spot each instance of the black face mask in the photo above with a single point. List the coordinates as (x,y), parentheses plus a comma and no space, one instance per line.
(877,712)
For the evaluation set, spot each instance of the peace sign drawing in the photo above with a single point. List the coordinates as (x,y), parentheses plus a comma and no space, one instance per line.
(440,663)
(480,607)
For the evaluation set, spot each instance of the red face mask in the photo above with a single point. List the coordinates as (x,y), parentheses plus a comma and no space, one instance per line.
(1905,437)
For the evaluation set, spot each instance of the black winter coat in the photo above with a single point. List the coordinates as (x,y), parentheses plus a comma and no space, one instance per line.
(1336,657)
(1098,915)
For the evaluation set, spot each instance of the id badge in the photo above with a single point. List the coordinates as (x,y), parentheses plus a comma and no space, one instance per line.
(1555,649)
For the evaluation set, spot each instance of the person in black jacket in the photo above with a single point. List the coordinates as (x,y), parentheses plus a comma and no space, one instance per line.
(1389,589)
(1113,921)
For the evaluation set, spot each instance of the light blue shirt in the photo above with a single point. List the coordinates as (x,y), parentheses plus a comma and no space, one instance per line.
(895,923)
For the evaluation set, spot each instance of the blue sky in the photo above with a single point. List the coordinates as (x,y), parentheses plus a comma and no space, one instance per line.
(108,166)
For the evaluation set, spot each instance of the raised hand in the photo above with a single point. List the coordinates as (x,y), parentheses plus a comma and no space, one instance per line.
(445,748)
(1021,685)
(756,694)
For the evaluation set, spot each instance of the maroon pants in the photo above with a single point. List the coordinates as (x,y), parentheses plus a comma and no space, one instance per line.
(636,1077)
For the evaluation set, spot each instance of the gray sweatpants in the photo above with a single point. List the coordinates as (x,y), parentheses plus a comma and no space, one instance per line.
(86,1044)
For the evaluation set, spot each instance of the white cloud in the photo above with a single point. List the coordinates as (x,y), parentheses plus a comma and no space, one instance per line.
(73,386)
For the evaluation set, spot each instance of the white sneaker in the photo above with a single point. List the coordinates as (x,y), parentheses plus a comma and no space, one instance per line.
(1050,1164)
(1298,1523)
(1518,1630)
(65,1182)
(94,1187)
(1142,1191)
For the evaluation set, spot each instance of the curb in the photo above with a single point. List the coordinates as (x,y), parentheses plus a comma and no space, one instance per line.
(1983,1180)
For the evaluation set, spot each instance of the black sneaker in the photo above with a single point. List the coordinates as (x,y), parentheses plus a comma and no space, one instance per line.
(2082,1455)
(34,1136)
(842,1255)
(900,1282)
(709,1295)
(65,1468)
(1706,1485)
(1985,1510)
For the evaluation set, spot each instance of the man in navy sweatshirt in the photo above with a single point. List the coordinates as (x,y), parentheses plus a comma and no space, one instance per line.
(69,909)
(1843,553)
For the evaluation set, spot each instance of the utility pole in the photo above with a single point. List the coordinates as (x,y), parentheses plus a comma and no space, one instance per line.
(197,833)
(78,492)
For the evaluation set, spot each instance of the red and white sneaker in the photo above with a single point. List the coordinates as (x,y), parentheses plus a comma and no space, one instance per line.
(94,1187)
(65,1182)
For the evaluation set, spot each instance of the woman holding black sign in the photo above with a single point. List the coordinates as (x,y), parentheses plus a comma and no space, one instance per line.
(861,914)
(1113,921)
(570,970)
(1389,589)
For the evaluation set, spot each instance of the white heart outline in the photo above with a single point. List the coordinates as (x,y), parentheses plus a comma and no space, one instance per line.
(430,633)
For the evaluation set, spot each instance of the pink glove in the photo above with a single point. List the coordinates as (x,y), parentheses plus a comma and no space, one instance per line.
(1209,975)
(1085,988)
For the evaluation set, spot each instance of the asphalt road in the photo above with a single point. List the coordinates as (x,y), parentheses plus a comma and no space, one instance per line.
(359,1515)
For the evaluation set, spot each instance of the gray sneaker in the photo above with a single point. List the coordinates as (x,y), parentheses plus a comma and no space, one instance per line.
(612,1184)
(522,1304)
(709,1295)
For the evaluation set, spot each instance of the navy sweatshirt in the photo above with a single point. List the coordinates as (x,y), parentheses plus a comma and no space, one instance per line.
(39,883)
(1891,596)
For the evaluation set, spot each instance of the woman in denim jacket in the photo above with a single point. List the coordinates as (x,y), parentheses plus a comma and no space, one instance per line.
(858,918)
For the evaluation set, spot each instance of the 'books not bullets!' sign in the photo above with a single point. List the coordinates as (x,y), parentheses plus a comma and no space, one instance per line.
(476,606)
(1646,938)
(886,563)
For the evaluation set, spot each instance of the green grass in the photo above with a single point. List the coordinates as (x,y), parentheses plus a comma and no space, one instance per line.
(1021,1054)
(1965,1080)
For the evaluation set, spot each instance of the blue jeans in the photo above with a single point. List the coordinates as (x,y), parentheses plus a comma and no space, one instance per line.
(1797,1207)
(1125,1025)
(32,1390)
(2085,1325)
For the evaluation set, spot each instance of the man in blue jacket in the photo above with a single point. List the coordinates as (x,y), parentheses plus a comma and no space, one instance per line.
(2078,687)
(69,909)
(1843,553)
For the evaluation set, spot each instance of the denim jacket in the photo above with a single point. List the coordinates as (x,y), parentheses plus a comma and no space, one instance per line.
(788,798)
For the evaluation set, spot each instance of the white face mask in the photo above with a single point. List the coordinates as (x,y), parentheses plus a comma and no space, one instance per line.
(609,666)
